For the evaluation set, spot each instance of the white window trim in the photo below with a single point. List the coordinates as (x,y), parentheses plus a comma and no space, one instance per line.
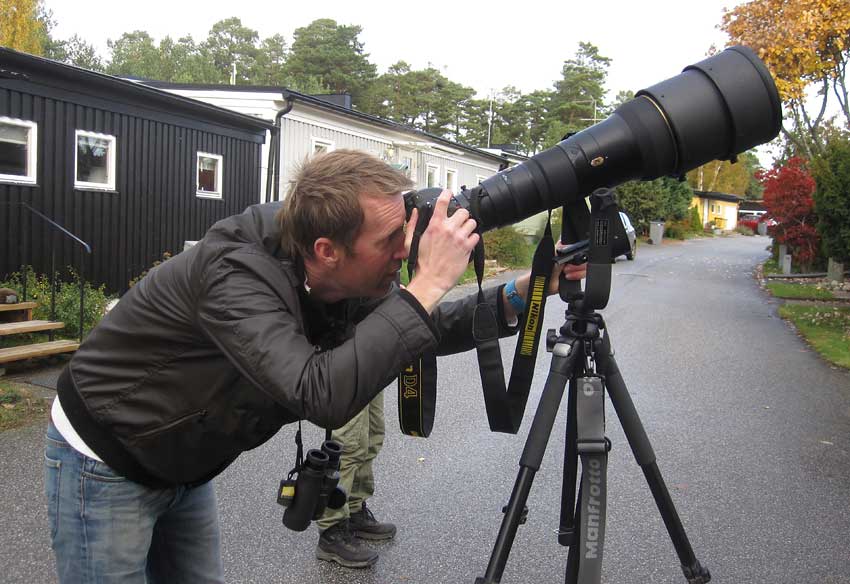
(110,161)
(436,168)
(219,175)
(329,144)
(453,188)
(32,153)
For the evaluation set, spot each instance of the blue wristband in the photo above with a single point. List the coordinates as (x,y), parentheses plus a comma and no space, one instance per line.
(517,303)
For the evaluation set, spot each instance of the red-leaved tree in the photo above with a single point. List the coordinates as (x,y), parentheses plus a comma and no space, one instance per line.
(788,199)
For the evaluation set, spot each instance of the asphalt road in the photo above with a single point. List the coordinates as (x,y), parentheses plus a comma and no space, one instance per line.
(751,431)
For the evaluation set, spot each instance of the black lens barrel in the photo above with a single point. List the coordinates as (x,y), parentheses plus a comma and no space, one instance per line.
(715,109)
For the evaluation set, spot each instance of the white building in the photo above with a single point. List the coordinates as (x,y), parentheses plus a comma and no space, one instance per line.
(310,124)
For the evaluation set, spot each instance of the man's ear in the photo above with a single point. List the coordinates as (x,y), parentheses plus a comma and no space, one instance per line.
(326,252)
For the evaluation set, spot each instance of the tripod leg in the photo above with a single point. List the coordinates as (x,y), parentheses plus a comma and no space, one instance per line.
(564,358)
(645,457)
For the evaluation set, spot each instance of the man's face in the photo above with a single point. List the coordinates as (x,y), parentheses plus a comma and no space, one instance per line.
(378,249)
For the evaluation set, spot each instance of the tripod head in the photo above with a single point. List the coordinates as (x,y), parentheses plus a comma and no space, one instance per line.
(596,237)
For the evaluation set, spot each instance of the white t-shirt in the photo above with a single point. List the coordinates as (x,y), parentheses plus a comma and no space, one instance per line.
(63,424)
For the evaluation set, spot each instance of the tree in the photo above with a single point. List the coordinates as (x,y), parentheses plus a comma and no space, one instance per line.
(832,198)
(134,54)
(80,53)
(332,54)
(270,61)
(788,199)
(20,26)
(665,199)
(184,61)
(230,44)
(578,95)
(803,43)
(725,177)
(424,99)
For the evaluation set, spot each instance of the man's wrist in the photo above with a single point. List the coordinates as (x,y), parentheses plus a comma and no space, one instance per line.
(514,299)
(427,294)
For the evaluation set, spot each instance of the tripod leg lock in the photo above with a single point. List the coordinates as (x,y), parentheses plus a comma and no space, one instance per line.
(696,574)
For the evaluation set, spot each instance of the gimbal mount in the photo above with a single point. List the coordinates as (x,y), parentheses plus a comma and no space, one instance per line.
(583,359)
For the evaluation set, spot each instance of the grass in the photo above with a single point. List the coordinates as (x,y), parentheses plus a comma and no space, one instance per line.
(19,407)
(771,266)
(798,291)
(827,330)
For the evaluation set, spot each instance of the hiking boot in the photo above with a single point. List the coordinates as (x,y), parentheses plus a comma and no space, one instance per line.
(364,525)
(337,544)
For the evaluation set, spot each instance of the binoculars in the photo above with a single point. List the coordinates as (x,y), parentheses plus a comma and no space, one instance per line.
(315,489)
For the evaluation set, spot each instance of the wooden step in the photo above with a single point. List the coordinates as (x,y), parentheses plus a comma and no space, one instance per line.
(29,326)
(18,306)
(37,350)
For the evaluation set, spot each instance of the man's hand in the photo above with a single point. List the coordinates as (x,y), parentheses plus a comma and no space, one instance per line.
(444,250)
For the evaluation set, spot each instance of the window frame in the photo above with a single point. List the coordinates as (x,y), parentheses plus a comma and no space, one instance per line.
(219,176)
(436,168)
(31,178)
(329,145)
(82,185)
(454,173)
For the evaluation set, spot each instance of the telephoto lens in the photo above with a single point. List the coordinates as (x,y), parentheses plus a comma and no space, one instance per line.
(713,110)
(308,488)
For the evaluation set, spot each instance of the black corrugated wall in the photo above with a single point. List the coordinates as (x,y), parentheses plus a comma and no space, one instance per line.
(154,208)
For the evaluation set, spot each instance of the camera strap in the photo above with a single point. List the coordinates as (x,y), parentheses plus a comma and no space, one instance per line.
(417,382)
(505,408)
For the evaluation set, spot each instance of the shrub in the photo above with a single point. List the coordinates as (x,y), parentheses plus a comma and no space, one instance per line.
(677,230)
(508,248)
(696,220)
(67,299)
(744,230)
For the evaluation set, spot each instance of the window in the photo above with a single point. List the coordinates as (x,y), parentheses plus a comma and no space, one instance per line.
(209,175)
(451,179)
(431,176)
(95,162)
(18,150)
(320,145)
(407,162)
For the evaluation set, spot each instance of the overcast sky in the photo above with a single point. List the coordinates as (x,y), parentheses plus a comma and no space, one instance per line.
(483,45)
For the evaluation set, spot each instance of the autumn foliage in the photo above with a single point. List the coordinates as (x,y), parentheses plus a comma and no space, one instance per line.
(801,41)
(788,191)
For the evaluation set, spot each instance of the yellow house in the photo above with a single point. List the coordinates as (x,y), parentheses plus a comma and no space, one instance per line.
(718,210)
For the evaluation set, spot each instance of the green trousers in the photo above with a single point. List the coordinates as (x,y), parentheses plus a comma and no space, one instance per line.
(361,440)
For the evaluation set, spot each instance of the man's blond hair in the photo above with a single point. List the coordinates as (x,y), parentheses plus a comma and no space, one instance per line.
(323,199)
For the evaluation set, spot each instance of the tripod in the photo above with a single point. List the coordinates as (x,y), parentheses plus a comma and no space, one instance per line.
(582,358)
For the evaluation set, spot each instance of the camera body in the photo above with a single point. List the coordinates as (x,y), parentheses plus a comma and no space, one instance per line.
(315,488)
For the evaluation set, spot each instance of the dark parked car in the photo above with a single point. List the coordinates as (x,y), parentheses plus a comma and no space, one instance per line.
(630,234)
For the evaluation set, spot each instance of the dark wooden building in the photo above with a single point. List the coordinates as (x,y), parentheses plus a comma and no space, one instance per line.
(129,169)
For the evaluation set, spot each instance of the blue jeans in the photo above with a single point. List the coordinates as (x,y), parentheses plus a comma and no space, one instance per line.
(105,528)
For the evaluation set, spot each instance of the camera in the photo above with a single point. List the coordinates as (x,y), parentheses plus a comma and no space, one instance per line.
(315,489)
(715,109)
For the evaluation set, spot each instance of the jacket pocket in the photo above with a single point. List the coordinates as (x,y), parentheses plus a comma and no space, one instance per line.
(185,450)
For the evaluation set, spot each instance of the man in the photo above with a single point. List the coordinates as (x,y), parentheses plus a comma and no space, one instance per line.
(277,314)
